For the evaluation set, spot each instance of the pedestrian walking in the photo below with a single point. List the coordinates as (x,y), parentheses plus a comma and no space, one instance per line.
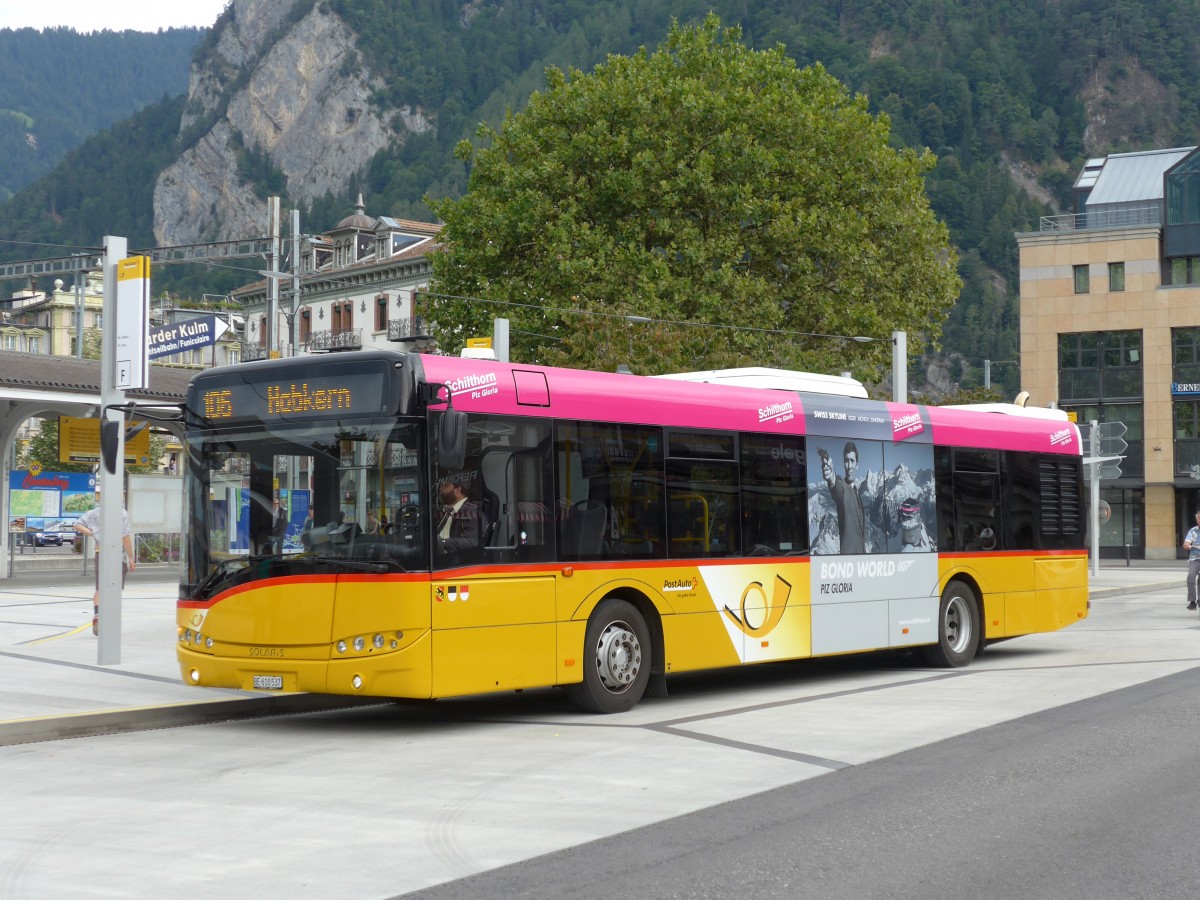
(89,524)
(1191,543)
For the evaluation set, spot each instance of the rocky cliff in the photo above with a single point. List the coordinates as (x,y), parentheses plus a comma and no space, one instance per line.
(292,87)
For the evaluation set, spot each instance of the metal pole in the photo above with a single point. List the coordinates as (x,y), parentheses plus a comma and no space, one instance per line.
(271,326)
(500,339)
(80,300)
(108,651)
(987,373)
(295,306)
(1094,524)
(900,366)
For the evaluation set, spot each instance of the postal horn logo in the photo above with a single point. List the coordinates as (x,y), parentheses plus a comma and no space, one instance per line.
(766,612)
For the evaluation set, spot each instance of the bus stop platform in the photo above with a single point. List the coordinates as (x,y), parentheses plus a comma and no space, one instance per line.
(53,687)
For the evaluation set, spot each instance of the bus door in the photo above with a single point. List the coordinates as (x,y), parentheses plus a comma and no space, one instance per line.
(493,605)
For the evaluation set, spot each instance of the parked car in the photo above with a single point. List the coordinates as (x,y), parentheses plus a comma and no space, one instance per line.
(47,539)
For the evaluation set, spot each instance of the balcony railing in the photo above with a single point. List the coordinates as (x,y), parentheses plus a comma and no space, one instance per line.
(1116,218)
(412,329)
(329,341)
(251,352)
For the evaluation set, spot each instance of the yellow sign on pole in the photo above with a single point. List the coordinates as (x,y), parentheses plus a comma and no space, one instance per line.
(479,342)
(79,442)
(1072,416)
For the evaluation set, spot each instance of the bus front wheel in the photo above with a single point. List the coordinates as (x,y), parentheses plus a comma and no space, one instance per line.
(958,628)
(616,659)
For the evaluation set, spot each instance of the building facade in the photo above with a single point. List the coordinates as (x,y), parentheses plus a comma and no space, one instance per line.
(356,290)
(1110,330)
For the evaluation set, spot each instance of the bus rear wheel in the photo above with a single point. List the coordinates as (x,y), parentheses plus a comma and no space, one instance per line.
(616,659)
(958,628)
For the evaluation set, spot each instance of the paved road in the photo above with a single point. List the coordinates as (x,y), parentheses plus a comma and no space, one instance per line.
(1096,799)
(376,801)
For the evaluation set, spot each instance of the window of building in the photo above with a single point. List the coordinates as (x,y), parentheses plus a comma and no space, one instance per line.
(1185,395)
(1082,283)
(305,325)
(1185,270)
(10,341)
(1116,276)
(34,344)
(381,312)
(342,316)
(1100,379)
(1183,193)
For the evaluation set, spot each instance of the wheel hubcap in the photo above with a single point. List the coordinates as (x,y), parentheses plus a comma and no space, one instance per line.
(618,657)
(958,625)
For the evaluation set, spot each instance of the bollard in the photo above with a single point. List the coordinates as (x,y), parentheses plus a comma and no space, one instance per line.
(1127,556)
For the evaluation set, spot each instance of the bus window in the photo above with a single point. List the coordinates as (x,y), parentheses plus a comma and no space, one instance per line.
(774,495)
(1020,485)
(497,507)
(609,478)
(702,494)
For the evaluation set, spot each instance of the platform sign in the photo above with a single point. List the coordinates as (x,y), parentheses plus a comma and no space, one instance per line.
(179,337)
(79,442)
(133,323)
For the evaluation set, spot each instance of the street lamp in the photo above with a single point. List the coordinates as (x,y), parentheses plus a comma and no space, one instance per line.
(643,320)
(987,368)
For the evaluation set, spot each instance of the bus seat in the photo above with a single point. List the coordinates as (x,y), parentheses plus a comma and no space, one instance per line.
(583,531)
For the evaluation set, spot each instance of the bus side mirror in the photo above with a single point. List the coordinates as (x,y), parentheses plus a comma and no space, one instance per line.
(452,439)
(110,431)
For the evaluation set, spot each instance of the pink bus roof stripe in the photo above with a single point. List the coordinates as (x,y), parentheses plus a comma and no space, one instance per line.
(486,386)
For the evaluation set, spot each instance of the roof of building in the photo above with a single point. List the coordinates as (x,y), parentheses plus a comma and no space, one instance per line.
(1132,177)
(359,219)
(68,373)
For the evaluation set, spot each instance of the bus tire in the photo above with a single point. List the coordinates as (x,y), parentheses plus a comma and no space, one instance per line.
(958,628)
(616,659)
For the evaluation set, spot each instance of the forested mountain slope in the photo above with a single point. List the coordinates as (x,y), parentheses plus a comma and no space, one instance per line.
(1012,96)
(58,86)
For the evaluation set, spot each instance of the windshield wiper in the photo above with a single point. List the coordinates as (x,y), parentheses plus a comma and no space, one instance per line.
(356,565)
(229,567)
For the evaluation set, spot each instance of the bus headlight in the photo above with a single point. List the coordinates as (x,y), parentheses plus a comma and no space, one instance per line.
(359,643)
(341,646)
(357,682)
(195,676)
(378,642)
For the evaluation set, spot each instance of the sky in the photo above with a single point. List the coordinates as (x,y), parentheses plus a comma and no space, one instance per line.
(116,15)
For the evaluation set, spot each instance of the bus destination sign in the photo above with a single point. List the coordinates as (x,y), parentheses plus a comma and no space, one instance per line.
(223,401)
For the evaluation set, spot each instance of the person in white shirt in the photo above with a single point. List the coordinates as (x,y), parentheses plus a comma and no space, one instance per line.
(89,525)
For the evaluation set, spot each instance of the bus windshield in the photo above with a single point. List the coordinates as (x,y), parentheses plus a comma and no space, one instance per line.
(304,499)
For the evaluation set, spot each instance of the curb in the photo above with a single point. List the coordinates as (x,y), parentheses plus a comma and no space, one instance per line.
(204,712)
(1137,588)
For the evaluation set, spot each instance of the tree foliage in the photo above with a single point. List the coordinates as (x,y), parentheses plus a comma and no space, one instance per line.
(43,449)
(702,183)
(58,86)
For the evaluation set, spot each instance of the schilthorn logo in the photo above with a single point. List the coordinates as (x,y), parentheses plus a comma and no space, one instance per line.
(776,412)
(471,382)
(1060,437)
(905,423)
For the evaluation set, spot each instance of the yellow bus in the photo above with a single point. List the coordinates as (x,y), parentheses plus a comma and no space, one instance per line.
(412,526)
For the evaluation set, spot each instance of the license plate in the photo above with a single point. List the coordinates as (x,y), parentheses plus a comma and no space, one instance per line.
(267,682)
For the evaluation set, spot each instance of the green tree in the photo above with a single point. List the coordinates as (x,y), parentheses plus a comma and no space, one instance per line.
(703,183)
(43,449)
